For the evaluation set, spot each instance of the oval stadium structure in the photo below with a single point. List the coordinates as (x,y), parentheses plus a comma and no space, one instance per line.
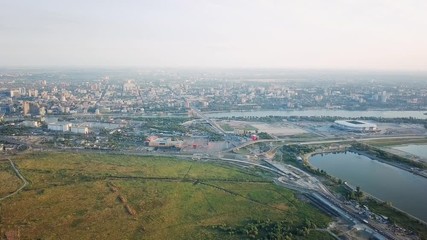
(355,126)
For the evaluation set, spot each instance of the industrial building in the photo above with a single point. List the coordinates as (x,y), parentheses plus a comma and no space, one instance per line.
(355,126)
(79,129)
(163,142)
(30,124)
(64,127)
(68,127)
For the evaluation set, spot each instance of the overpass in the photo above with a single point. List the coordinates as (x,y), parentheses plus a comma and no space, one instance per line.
(213,124)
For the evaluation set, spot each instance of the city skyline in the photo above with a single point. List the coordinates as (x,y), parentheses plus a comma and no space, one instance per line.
(355,35)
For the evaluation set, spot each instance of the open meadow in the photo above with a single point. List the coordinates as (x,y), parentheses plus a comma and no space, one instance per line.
(100,196)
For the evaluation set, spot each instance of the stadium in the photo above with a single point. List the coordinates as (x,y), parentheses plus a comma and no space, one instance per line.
(355,126)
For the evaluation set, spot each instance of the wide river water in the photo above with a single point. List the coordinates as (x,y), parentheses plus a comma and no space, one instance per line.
(328,113)
(405,190)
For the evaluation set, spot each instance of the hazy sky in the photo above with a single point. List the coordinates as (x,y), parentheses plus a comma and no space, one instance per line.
(343,34)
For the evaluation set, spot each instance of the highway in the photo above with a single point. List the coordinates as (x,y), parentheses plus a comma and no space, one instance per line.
(213,124)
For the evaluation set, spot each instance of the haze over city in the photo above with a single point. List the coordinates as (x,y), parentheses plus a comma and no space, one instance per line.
(358,35)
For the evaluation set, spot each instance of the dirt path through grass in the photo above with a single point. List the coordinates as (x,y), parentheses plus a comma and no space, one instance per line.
(20,176)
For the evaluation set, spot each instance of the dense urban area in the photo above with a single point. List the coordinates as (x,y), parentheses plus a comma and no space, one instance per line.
(270,123)
(157,92)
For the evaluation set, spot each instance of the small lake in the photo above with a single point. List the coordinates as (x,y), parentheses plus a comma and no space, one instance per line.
(419,150)
(326,113)
(405,190)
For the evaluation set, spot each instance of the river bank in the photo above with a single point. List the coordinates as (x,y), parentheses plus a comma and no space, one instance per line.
(404,167)
(397,165)
(384,182)
(388,157)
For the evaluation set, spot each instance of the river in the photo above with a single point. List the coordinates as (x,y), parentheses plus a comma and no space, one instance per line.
(405,190)
(419,150)
(328,113)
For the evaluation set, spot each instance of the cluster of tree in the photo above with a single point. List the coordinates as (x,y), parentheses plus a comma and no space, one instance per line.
(164,124)
(264,135)
(15,130)
(297,149)
(358,193)
(212,135)
(268,229)
(215,137)
(290,153)
(353,195)
(125,138)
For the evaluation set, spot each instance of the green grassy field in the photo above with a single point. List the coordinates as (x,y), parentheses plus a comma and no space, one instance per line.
(98,196)
(246,127)
(394,142)
(226,127)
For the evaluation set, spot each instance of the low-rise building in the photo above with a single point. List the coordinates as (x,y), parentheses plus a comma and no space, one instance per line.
(68,127)
(79,129)
(63,127)
(154,141)
(30,124)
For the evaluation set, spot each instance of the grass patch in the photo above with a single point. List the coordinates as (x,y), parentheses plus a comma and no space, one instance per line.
(226,127)
(393,142)
(88,196)
(319,235)
(250,128)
